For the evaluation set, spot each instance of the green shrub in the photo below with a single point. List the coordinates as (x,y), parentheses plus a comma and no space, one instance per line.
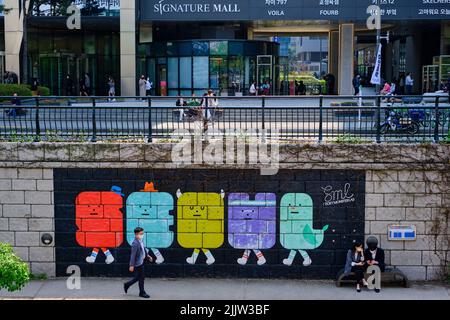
(350,139)
(8,90)
(42,91)
(14,273)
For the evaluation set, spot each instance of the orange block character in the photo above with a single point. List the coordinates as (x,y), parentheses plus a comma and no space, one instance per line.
(99,222)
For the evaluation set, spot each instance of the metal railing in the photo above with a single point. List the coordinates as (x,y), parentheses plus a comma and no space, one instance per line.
(301,118)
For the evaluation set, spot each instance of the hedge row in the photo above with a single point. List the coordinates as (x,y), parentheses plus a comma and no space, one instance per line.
(22,90)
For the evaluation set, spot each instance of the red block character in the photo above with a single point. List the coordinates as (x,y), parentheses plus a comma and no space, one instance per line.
(99,222)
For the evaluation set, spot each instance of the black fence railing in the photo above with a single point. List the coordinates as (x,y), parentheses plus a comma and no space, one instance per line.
(321,118)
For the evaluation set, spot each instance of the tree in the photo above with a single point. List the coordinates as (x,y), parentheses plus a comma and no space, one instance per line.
(91,8)
(14,273)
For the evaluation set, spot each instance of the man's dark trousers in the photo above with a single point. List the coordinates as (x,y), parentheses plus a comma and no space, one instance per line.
(139,275)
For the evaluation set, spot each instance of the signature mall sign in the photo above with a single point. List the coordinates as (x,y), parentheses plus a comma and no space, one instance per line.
(163,7)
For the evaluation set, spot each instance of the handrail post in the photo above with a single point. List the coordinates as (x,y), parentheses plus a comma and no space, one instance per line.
(150,129)
(94,122)
(37,137)
(263,118)
(378,119)
(436,125)
(205,117)
(321,119)
(263,113)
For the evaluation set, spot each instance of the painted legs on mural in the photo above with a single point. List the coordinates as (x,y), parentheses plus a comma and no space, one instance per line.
(261,259)
(306,259)
(94,254)
(158,255)
(209,257)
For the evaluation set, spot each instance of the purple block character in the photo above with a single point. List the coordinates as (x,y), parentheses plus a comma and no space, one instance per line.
(252,224)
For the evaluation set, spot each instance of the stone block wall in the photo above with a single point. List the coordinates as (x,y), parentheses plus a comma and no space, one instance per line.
(412,197)
(26,213)
(405,184)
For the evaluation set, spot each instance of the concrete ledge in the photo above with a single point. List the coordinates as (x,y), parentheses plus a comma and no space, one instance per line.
(292,156)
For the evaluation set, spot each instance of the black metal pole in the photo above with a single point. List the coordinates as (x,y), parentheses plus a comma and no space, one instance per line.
(436,125)
(94,122)
(37,138)
(321,119)
(263,106)
(150,129)
(378,119)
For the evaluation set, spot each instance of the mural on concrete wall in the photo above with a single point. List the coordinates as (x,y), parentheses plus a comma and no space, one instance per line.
(252,224)
(99,222)
(151,210)
(296,227)
(312,215)
(200,223)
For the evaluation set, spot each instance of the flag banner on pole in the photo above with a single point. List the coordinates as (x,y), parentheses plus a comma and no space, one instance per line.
(376,76)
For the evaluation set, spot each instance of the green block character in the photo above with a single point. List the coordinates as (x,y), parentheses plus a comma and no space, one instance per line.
(296,227)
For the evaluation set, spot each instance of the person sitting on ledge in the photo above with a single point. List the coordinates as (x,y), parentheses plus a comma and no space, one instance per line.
(356,263)
(374,256)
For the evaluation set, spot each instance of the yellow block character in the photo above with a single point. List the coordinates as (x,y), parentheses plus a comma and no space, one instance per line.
(200,223)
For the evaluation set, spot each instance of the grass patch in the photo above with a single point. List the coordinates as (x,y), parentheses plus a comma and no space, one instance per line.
(350,139)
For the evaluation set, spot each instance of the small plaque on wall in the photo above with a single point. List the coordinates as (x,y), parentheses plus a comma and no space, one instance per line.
(402,233)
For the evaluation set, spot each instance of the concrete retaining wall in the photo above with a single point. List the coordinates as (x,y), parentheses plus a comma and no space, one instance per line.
(404,184)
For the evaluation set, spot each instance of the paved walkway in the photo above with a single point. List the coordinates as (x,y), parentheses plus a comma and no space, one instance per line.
(224,289)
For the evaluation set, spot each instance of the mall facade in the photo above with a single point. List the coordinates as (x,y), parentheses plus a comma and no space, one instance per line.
(189,46)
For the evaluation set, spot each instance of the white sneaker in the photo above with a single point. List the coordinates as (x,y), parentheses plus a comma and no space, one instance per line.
(190,260)
(288,262)
(109,259)
(210,261)
(262,261)
(159,260)
(307,262)
(242,261)
(91,259)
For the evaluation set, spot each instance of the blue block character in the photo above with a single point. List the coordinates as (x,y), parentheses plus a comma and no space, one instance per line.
(150,210)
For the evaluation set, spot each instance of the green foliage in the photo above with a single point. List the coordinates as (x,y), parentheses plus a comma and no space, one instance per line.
(8,90)
(38,277)
(14,273)
(350,139)
(42,91)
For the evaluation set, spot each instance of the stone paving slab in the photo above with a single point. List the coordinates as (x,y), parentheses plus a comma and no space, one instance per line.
(223,289)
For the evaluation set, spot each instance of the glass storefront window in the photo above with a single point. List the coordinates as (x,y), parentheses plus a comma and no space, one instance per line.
(186,72)
(209,64)
(201,69)
(172,64)
(200,48)
(219,48)
(218,75)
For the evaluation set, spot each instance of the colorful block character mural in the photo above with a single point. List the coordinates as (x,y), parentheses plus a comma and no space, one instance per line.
(200,223)
(296,227)
(150,210)
(99,222)
(252,224)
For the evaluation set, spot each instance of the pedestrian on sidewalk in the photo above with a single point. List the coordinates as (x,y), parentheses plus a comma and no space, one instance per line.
(409,83)
(112,89)
(139,254)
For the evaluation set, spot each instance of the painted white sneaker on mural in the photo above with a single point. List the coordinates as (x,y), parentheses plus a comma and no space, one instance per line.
(261,261)
(190,260)
(307,262)
(109,259)
(159,260)
(91,259)
(210,261)
(287,262)
(242,261)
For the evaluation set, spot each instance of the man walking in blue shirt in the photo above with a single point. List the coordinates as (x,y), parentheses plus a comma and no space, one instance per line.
(139,253)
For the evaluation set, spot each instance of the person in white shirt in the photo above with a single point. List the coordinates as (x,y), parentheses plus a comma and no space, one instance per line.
(253,89)
(148,87)
(409,83)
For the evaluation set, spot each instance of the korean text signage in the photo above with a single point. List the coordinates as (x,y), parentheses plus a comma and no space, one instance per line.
(192,10)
